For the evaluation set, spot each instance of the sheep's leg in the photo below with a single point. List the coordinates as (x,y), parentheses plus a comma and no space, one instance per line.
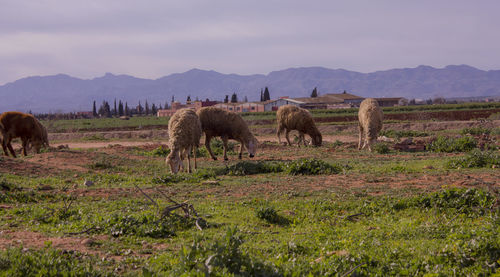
(25,146)
(182,155)
(194,154)
(6,144)
(224,141)
(278,133)
(241,151)
(189,158)
(360,137)
(287,137)
(302,138)
(207,145)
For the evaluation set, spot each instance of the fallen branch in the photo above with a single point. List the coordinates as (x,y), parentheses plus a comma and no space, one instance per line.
(82,232)
(352,270)
(147,196)
(351,217)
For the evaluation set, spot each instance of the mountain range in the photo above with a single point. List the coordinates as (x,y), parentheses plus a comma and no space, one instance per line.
(63,93)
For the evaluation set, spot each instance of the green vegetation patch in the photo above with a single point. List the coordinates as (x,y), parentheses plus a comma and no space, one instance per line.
(475,159)
(50,262)
(397,134)
(311,166)
(475,131)
(449,145)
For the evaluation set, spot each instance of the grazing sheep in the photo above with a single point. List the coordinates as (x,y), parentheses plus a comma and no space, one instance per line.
(370,122)
(24,126)
(184,132)
(217,122)
(290,118)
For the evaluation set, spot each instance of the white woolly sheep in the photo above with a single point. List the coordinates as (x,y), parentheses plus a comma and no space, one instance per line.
(290,117)
(370,122)
(217,122)
(184,132)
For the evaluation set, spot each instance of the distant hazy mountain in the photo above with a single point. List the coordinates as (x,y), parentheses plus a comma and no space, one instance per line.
(65,93)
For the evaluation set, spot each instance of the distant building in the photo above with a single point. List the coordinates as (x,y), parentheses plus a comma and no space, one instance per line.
(175,106)
(392,101)
(242,107)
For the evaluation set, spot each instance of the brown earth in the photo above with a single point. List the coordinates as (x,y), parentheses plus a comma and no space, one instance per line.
(59,160)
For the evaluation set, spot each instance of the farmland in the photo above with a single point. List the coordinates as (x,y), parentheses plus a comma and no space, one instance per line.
(102,202)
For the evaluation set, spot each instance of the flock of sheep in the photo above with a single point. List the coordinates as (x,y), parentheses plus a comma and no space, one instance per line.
(186,127)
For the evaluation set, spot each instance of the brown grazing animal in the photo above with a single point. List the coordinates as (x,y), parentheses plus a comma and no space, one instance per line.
(217,122)
(24,126)
(370,122)
(290,117)
(184,133)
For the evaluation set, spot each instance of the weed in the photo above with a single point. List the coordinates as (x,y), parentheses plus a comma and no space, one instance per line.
(95,137)
(475,158)
(458,198)
(270,215)
(249,168)
(219,257)
(49,262)
(160,151)
(381,148)
(397,134)
(100,164)
(448,145)
(475,131)
(337,143)
(311,166)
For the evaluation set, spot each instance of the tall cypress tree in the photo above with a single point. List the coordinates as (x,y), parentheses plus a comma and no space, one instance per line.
(261,95)
(147,107)
(267,96)
(94,110)
(153,109)
(234,98)
(127,111)
(115,111)
(120,108)
(314,93)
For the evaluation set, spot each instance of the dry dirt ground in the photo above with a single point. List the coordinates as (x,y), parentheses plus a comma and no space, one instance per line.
(64,159)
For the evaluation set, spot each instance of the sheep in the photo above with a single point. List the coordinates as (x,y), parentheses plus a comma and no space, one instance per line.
(184,132)
(290,118)
(370,122)
(24,126)
(217,122)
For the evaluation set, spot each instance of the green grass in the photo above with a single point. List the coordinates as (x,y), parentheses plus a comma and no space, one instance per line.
(138,122)
(295,212)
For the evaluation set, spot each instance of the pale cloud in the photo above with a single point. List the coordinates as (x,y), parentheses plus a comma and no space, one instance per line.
(151,39)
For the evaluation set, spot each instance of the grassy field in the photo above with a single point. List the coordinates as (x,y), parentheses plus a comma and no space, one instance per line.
(148,121)
(327,211)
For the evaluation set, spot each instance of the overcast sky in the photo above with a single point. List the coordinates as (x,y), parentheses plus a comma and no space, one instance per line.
(151,39)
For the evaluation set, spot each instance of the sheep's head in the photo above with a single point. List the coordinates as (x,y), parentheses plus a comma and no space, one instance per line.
(317,139)
(251,146)
(174,161)
(37,144)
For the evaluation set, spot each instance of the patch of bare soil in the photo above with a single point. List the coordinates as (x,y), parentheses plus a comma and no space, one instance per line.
(28,239)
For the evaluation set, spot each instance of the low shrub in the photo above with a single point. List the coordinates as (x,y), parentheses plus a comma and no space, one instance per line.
(213,257)
(458,198)
(311,167)
(381,148)
(397,134)
(160,151)
(475,131)
(449,145)
(475,158)
(249,168)
(48,262)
